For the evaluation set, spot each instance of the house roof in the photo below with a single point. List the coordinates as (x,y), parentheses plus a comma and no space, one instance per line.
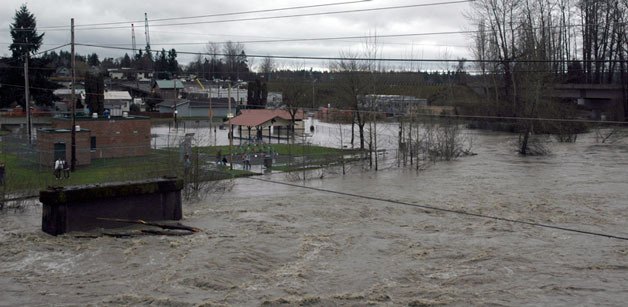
(170,103)
(141,86)
(67,91)
(117,95)
(258,117)
(216,103)
(169,84)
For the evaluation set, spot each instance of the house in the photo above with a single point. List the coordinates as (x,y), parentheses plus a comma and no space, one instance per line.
(96,138)
(117,102)
(115,74)
(274,99)
(240,95)
(216,107)
(143,76)
(168,89)
(63,72)
(65,94)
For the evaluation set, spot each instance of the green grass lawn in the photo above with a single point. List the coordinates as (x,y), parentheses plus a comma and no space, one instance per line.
(26,176)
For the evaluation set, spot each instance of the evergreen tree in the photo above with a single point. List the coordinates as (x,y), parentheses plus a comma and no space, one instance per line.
(26,41)
(93,60)
(94,93)
(172,64)
(24,34)
(126,61)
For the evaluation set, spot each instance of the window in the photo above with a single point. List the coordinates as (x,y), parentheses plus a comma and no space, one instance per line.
(92,143)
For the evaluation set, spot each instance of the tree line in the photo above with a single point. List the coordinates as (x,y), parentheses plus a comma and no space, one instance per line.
(556,41)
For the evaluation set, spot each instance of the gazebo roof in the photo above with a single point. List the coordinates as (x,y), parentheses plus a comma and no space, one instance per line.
(259,117)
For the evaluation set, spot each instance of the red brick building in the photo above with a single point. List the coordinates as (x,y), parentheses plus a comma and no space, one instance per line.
(97,138)
(57,143)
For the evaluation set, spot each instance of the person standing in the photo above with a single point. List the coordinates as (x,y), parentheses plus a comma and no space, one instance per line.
(187,165)
(2,173)
(219,157)
(66,169)
(57,168)
(247,161)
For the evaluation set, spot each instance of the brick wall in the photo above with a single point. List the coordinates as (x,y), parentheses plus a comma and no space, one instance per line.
(115,137)
(45,146)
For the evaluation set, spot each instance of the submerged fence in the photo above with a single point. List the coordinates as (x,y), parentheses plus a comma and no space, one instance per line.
(192,153)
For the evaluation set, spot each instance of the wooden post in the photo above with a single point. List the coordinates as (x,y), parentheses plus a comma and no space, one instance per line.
(240,134)
(27,100)
(73,131)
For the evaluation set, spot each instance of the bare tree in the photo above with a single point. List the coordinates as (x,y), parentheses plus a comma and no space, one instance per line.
(267,67)
(295,98)
(213,49)
(232,56)
(354,82)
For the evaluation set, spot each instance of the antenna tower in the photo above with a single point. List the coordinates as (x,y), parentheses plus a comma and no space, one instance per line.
(146,31)
(133,39)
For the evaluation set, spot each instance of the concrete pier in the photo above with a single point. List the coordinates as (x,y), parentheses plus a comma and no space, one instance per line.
(80,208)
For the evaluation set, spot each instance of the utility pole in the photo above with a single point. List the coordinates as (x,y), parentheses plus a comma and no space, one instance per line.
(176,97)
(211,111)
(27,104)
(229,116)
(73,87)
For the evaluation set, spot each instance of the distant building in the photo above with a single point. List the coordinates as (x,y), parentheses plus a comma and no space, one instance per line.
(143,76)
(63,72)
(117,102)
(65,95)
(274,99)
(391,104)
(240,95)
(96,138)
(168,89)
(218,107)
(116,74)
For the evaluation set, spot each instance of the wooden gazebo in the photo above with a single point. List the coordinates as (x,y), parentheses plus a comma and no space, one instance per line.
(261,119)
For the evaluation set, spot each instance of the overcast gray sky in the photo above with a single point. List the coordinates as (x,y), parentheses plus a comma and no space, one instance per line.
(193,37)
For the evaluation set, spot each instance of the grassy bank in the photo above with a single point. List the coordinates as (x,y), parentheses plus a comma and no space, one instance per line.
(24,176)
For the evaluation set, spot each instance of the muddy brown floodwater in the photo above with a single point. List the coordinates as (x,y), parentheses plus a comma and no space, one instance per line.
(265,243)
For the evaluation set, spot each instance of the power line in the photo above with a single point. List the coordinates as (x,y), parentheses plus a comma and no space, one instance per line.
(338,58)
(454,211)
(284,40)
(270,39)
(52,49)
(214,15)
(9,60)
(288,16)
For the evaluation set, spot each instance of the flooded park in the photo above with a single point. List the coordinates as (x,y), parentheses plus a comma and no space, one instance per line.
(494,228)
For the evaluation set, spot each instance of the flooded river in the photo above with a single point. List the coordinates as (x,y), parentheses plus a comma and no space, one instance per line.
(268,243)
